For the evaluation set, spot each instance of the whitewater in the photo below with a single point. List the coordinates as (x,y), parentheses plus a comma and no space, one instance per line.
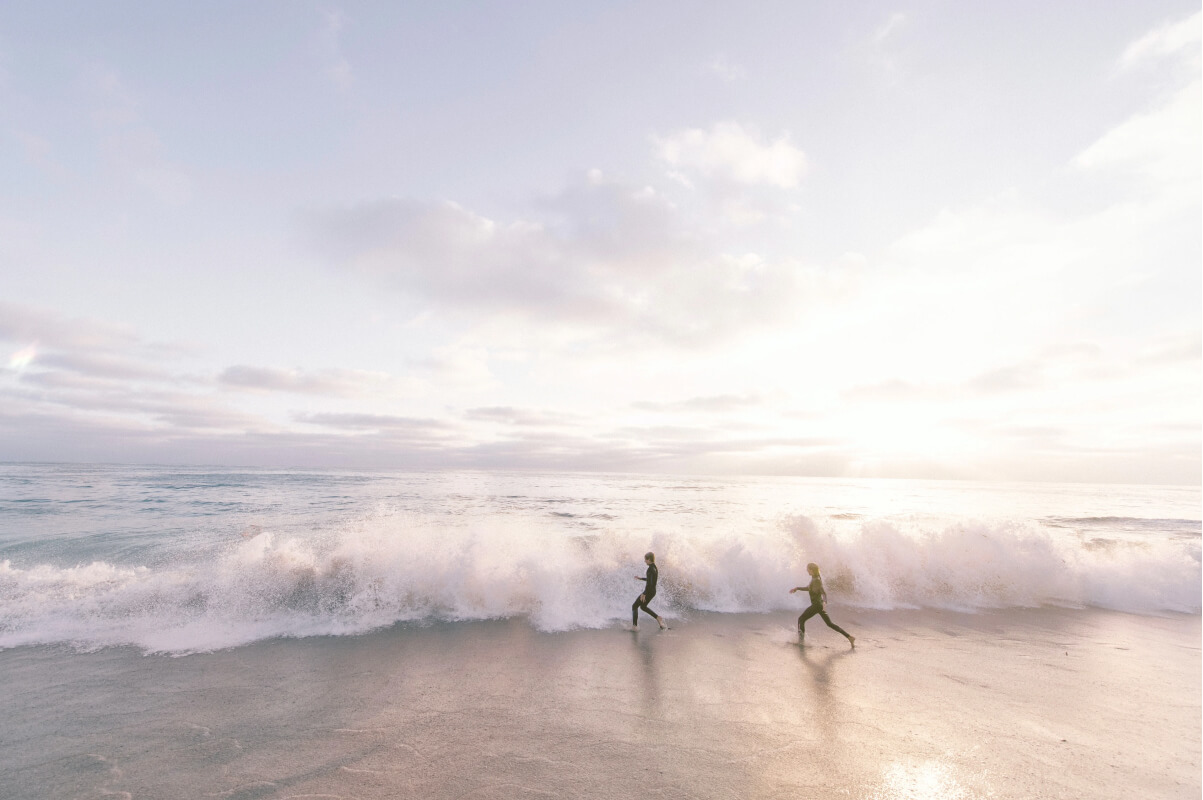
(185,560)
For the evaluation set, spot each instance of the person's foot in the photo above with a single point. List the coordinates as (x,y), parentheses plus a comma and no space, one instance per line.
(852,641)
(663,627)
(634,627)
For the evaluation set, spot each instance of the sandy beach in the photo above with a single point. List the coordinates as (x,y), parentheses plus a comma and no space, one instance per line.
(1029,703)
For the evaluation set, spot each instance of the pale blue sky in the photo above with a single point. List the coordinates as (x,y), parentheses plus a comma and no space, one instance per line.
(932,239)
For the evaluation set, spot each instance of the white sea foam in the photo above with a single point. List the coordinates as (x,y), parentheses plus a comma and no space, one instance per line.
(386,569)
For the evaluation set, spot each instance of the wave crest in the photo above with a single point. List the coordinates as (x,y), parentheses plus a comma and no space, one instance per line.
(384,570)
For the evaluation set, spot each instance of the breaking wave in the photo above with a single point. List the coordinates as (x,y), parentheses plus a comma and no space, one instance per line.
(388,569)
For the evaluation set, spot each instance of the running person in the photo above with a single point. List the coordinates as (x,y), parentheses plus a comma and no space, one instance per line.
(818,598)
(642,600)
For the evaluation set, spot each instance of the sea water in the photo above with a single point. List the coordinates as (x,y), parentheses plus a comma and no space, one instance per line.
(191,559)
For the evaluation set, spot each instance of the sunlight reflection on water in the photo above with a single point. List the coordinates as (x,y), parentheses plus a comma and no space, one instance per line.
(929,780)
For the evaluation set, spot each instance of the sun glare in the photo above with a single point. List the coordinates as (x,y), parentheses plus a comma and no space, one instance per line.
(904,433)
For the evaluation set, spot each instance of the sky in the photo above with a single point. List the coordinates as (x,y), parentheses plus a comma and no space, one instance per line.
(927,240)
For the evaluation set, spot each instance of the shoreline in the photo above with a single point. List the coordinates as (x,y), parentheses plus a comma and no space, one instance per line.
(1024,702)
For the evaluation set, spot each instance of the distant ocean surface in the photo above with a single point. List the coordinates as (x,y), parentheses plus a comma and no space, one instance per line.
(181,560)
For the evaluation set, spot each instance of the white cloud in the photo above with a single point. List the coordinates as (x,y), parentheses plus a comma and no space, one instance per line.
(715,404)
(463,367)
(449,254)
(612,324)
(25,324)
(333,382)
(1054,321)
(726,69)
(130,144)
(605,259)
(728,152)
(523,417)
(414,427)
(1162,144)
(880,51)
(739,212)
(337,67)
(1170,39)
(887,28)
(40,153)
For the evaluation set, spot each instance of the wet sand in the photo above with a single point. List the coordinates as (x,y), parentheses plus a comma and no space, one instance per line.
(1037,703)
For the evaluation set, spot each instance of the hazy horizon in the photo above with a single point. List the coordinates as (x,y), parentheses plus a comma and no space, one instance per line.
(907,241)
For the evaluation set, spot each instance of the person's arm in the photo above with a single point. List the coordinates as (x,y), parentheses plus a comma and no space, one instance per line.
(797,589)
(640,578)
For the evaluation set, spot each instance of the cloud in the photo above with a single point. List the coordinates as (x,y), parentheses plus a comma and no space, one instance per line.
(1169,350)
(716,404)
(509,415)
(1168,40)
(445,252)
(729,153)
(980,298)
(118,405)
(337,67)
(25,324)
(129,143)
(57,351)
(606,259)
(40,153)
(1077,364)
(104,365)
(726,69)
(1008,379)
(58,379)
(89,369)
(333,382)
(411,426)
(628,228)
(679,449)
(992,284)
(889,27)
(181,411)
(881,49)
(889,391)
(197,432)
(1160,145)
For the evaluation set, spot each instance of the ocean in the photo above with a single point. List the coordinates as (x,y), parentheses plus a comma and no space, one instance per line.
(187,632)
(191,559)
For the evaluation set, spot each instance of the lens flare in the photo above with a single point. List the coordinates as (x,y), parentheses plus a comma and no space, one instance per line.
(23,357)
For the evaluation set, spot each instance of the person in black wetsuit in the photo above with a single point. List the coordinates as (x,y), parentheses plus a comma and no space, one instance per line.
(642,600)
(818,598)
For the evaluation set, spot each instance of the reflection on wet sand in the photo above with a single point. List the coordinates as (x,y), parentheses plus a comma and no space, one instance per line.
(936,705)
(927,780)
(649,674)
(819,666)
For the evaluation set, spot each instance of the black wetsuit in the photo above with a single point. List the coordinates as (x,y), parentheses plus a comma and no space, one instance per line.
(642,600)
(816,607)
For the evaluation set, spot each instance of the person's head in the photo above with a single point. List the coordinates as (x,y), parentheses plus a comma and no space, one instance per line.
(813,569)
(649,558)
